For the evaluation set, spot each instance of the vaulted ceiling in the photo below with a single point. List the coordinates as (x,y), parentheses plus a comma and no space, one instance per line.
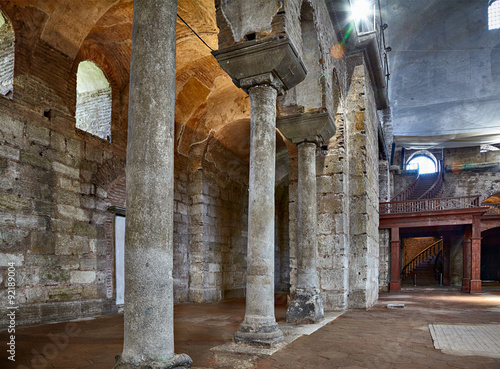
(445,73)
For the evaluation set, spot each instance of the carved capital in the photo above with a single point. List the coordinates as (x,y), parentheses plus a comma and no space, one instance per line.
(274,63)
(314,126)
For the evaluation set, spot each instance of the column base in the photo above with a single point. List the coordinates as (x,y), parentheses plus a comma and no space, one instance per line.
(306,307)
(262,335)
(395,286)
(178,361)
(475,286)
(466,284)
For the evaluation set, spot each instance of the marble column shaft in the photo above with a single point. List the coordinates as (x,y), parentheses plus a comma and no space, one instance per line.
(259,326)
(307,306)
(149,334)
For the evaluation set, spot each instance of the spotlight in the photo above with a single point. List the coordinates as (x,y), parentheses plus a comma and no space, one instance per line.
(388,49)
(361,9)
(384,26)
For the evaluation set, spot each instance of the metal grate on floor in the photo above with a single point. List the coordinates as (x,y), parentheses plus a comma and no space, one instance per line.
(480,340)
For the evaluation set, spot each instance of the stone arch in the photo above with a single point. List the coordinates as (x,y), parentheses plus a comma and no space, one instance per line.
(7,51)
(93,100)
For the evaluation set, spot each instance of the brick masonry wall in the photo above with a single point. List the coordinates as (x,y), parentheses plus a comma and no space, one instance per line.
(6,58)
(54,182)
(93,112)
(413,246)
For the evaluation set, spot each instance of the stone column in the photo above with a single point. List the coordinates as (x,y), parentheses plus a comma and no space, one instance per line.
(307,306)
(259,326)
(264,69)
(475,282)
(149,334)
(467,258)
(307,130)
(395,283)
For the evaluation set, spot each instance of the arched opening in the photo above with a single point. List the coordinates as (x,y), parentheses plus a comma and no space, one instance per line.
(494,14)
(93,100)
(7,40)
(422,163)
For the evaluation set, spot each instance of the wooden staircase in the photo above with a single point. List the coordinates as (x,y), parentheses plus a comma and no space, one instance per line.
(425,182)
(425,186)
(423,275)
(423,264)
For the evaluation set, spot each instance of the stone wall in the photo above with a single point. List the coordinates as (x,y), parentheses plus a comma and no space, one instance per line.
(217,235)
(384,259)
(362,121)
(53,215)
(333,219)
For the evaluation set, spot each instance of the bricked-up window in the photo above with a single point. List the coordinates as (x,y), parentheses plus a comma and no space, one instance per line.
(93,100)
(494,14)
(7,39)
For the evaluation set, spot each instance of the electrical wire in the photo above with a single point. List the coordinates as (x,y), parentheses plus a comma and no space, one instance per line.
(183,21)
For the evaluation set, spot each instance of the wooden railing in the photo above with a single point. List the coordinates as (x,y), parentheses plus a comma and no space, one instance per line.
(414,206)
(426,254)
(493,209)
(403,195)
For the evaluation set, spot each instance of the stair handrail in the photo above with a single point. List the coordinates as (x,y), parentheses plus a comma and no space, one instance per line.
(421,257)
(435,190)
(403,195)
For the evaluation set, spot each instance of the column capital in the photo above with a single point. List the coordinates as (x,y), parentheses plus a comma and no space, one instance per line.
(314,126)
(274,62)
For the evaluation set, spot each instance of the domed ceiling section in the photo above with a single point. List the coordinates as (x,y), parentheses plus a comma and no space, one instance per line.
(211,113)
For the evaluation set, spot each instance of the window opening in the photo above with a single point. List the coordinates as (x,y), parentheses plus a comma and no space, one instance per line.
(494,14)
(7,39)
(93,100)
(422,163)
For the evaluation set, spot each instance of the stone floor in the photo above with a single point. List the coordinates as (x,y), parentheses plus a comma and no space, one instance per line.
(381,337)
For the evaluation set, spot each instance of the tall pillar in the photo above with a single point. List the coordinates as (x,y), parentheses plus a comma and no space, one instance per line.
(467,245)
(264,69)
(307,306)
(395,283)
(307,130)
(259,326)
(149,334)
(475,282)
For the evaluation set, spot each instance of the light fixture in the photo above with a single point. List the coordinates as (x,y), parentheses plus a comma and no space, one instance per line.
(361,9)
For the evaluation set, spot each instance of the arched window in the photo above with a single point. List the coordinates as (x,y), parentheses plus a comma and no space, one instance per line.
(494,14)
(7,39)
(423,163)
(93,100)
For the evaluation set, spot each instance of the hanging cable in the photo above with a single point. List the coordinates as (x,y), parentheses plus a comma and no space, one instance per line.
(183,21)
